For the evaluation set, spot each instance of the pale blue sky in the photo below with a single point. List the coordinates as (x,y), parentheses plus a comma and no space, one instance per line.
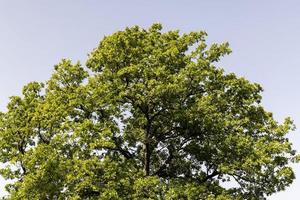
(264,36)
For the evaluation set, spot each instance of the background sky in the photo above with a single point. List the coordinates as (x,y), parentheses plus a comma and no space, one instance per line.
(264,36)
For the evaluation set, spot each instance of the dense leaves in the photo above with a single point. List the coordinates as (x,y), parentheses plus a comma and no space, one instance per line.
(149,117)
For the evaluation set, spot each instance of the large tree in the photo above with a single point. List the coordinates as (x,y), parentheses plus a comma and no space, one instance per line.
(150,116)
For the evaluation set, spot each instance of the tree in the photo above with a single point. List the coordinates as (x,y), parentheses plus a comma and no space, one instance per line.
(149,117)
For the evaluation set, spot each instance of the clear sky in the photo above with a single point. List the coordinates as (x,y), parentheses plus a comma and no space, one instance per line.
(264,36)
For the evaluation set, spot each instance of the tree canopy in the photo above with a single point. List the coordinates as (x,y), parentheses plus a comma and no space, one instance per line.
(150,116)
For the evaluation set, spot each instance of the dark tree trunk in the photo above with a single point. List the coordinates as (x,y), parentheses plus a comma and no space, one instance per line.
(147,158)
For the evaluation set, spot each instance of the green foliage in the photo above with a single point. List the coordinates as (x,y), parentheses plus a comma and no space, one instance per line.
(149,117)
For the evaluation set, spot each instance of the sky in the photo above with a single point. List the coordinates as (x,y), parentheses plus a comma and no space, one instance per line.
(264,36)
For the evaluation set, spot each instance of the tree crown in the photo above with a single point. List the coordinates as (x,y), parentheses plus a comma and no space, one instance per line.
(150,116)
